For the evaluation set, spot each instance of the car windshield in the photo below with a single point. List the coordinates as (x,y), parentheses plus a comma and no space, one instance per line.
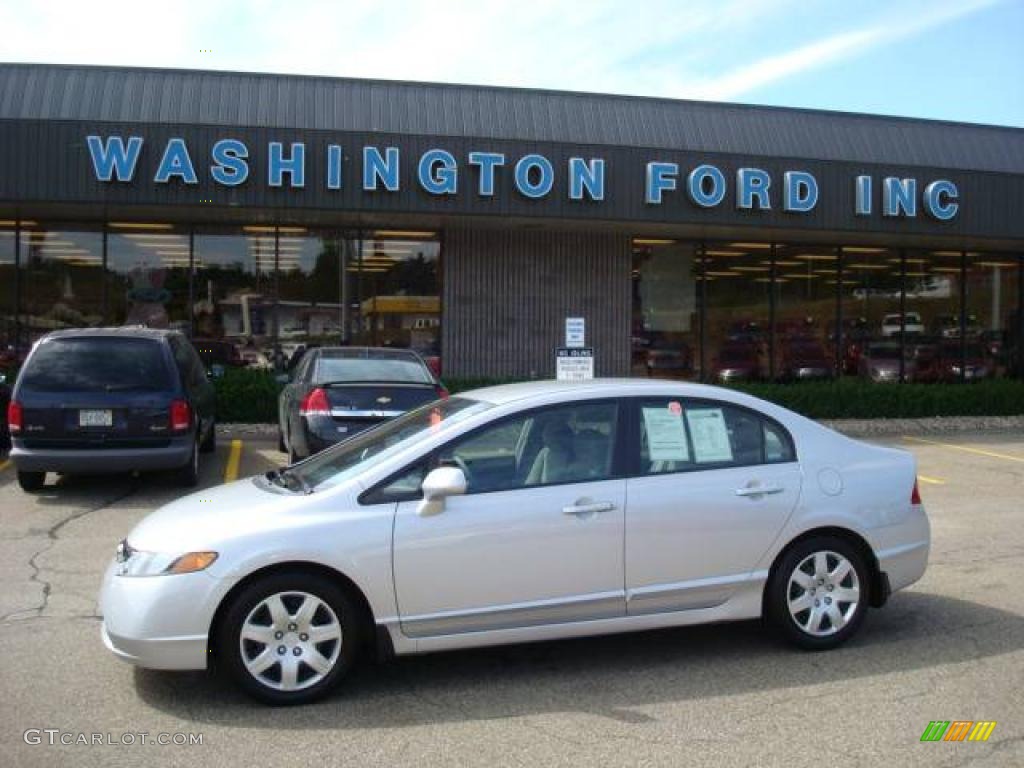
(391,369)
(97,364)
(365,450)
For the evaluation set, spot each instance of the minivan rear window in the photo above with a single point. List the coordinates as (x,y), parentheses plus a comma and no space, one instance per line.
(97,364)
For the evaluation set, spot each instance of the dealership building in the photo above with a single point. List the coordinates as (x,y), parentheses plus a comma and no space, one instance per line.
(695,240)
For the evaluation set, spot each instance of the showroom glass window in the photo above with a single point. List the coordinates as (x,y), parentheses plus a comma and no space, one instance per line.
(147,275)
(738,297)
(805,312)
(8,298)
(665,316)
(315,287)
(932,322)
(870,299)
(233,290)
(61,279)
(398,291)
(992,295)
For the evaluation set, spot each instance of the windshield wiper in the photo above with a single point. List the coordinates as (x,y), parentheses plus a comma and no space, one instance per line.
(285,479)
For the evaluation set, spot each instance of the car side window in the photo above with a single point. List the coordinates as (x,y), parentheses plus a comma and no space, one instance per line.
(678,436)
(567,444)
(404,487)
(182,360)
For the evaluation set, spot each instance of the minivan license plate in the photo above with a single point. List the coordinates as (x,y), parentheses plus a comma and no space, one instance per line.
(95,418)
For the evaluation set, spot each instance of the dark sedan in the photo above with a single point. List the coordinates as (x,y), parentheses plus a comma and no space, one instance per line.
(336,392)
(804,359)
(737,361)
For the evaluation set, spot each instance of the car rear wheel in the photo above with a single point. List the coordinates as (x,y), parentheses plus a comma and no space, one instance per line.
(289,638)
(819,594)
(209,444)
(188,475)
(31,481)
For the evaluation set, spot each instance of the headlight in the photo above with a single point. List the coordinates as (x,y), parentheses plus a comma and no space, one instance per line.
(133,562)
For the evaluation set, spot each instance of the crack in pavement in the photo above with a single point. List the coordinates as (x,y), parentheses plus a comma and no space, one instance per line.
(52,536)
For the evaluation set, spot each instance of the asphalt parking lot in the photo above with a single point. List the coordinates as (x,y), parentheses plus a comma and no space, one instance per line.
(950,648)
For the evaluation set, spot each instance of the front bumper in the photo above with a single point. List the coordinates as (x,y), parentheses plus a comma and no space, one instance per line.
(159,622)
(100,460)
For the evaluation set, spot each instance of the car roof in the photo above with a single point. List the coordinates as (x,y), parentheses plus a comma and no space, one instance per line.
(127,331)
(507,393)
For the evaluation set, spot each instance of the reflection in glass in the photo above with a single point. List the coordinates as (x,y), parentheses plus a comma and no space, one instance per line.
(399,294)
(665,316)
(61,280)
(233,292)
(991,293)
(8,306)
(805,305)
(148,272)
(870,299)
(738,290)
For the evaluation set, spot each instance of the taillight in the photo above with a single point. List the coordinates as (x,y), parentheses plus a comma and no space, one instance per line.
(442,391)
(181,415)
(315,404)
(915,495)
(14,416)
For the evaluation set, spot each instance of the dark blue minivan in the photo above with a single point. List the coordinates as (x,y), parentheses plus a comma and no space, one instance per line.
(98,400)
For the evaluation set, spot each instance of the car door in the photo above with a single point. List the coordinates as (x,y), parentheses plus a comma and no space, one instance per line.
(712,487)
(536,539)
(201,389)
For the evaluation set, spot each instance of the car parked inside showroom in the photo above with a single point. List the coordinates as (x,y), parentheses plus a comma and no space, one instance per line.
(336,392)
(102,400)
(516,513)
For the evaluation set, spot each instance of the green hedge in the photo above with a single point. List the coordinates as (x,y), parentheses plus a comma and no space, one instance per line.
(251,396)
(247,396)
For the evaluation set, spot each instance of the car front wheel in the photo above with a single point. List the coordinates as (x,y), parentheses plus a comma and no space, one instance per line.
(819,594)
(289,638)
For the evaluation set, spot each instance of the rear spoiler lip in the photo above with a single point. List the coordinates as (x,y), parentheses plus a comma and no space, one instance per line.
(378,382)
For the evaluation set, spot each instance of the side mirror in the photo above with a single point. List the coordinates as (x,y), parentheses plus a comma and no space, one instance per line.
(439,485)
(282,378)
(216,371)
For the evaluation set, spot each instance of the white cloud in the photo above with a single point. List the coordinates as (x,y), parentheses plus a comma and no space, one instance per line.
(827,51)
(657,47)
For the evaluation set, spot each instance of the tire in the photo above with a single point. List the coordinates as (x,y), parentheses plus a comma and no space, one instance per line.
(188,475)
(796,603)
(31,482)
(209,444)
(249,617)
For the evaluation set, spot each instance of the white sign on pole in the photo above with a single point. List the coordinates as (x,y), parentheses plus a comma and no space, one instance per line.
(575,332)
(574,364)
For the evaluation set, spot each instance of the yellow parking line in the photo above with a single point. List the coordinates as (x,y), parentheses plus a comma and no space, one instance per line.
(4,464)
(966,449)
(931,480)
(234,457)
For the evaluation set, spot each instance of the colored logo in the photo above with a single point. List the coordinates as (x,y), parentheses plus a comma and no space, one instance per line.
(958,730)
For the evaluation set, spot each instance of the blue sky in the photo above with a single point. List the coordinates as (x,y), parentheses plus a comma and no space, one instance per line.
(942,59)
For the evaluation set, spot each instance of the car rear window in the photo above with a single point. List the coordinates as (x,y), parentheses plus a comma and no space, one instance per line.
(97,364)
(342,369)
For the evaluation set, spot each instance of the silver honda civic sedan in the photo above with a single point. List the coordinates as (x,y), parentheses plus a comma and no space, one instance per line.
(517,513)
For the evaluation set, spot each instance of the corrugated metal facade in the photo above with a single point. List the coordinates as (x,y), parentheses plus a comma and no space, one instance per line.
(177,97)
(513,291)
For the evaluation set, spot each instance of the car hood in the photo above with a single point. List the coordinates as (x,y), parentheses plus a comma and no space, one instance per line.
(203,519)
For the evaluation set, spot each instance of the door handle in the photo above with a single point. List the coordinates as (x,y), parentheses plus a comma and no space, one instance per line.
(759,490)
(588,508)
